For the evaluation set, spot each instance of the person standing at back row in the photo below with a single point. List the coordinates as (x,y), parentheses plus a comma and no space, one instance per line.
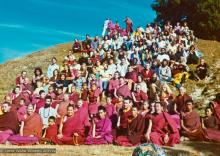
(105,27)
(129,25)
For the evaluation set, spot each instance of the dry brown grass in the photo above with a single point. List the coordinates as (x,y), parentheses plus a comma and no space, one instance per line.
(11,69)
(186,149)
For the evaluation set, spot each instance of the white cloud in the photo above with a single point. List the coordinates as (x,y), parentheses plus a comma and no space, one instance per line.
(41,30)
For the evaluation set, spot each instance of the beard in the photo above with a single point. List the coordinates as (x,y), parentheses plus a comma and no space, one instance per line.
(154,80)
(46,105)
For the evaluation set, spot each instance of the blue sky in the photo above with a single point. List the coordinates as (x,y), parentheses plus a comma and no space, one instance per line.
(31,25)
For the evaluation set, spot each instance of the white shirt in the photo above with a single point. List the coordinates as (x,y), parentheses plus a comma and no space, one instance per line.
(105,74)
(122,69)
(162,57)
(51,68)
(112,68)
(106,23)
(162,44)
(45,113)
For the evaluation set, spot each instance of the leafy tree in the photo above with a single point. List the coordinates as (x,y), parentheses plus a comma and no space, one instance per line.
(203,16)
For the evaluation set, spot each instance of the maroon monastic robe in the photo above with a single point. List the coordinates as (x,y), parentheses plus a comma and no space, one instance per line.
(163,124)
(32,126)
(9,121)
(125,115)
(51,132)
(217,114)
(140,96)
(180,102)
(74,97)
(191,121)
(124,91)
(70,126)
(112,85)
(104,130)
(134,134)
(9,125)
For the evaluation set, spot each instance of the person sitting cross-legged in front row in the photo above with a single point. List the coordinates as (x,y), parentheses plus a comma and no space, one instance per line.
(135,129)
(162,129)
(101,131)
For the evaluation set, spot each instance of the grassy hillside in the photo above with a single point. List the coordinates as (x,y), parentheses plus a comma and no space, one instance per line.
(199,90)
(202,92)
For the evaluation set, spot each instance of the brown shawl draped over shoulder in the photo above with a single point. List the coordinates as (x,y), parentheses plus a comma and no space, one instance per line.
(10,121)
(136,129)
(33,125)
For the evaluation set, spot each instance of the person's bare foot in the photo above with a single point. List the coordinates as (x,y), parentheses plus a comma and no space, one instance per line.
(7,143)
(182,139)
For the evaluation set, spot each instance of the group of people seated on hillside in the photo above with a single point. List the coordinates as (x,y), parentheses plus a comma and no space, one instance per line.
(116,89)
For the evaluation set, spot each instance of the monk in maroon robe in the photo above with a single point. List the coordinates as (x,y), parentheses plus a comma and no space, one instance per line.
(9,123)
(84,92)
(191,125)
(74,96)
(122,90)
(94,94)
(131,75)
(210,126)
(125,114)
(62,108)
(40,101)
(217,113)
(162,129)
(147,73)
(111,111)
(180,101)
(22,110)
(101,131)
(51,131)
(17,95)
(51,92)
(135,130)
(30,130)
(20,80)
(60,94)
(216,108)
(113,83)
(71,131)
(83,114)
(129,25)
(139,97)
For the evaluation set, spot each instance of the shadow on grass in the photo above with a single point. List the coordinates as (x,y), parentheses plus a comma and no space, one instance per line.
(208,148)
(195,148)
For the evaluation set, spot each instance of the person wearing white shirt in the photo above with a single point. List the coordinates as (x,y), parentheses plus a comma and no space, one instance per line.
(162,55)
(112,66)
(47,111)
(122,67)
(105,26)
(52,67)
(172,47)
(165,72)
(106,75)
(162,43)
